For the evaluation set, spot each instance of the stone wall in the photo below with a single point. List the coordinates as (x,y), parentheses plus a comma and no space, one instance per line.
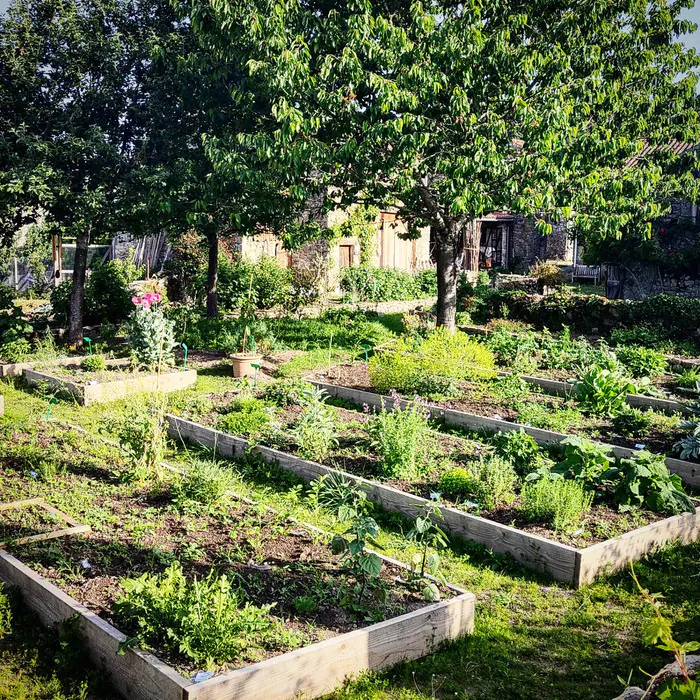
(646,279)
(529,245)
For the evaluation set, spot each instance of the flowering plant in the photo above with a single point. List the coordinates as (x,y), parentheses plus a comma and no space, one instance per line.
(152,336)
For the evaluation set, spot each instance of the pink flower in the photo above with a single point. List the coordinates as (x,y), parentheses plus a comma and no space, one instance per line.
(146,304)
(157,297)
(136,300)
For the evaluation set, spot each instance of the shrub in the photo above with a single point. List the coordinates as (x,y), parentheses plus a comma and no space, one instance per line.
(602,392)
(387,284)
(271,283)
(632,421)
(519,449)
(315,429)
(93,363)
(640,361)
(247,417)
(204,483)
(557,501)
(12,323)
(206,619)
(490,481)
(400,437)
(548,274)
(15,351)
(452,355)
(151,335)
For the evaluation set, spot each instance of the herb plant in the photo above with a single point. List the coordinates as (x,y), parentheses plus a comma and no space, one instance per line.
(632,421)
(151,334)
(93,363)
(490,481)
(315,430)
(557,501)
(640,361)
(602,392)
(518,448)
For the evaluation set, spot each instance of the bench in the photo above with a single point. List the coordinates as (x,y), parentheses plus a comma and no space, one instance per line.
(586,272)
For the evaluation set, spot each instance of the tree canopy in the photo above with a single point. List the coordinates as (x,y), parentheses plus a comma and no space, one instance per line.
(450,110)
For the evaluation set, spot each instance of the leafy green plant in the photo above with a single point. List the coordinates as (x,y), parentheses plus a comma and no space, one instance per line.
(540,415)
(5,614)
(337,494)
(688,447)
(315,430)
(557,501)
(15,350)
(93,363)
(204,620)
(426,533)
(547,273)
(644,481)
(247,417)
(687,379)
(584,460)
(204,483)
(519,449)
(400,438)
(602,392)
(640,361)
(490,481)
(285,392)
(13,326)
(151,335)
(632,421)
(509,347)
(386,284)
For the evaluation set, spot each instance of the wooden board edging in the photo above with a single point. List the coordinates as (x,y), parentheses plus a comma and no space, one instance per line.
(135,673)
(688,471)
(175,380)
(559,560)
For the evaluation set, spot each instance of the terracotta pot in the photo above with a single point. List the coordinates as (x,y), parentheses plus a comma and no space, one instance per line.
(243,363)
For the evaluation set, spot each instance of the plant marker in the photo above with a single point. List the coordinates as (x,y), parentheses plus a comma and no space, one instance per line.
(89,342)
(52,401)
(255,378)
(184,364)
(366,348)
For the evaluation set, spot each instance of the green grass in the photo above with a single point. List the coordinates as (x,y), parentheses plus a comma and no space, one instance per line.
(534,638)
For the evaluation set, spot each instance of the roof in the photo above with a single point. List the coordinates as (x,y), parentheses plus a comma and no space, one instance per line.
(674,146)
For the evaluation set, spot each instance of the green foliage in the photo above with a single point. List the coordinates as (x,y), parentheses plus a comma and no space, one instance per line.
(408,365)
(12,323)
(5,615)
(519,449)
(152,337)
(271,283)
(387,284)
(688,447)
(631,422)
(548,274)
(400,439)
(557,501)
(204,620)
(361,223)
(584,460)
(315,430)
(510,349)
(559,419)
(93,363)
(644,481)
(204,483)
(426,533)
(490,481)
(15,350)
(285,392)
(247,417)
(640,361)
(602,392)
(689,378)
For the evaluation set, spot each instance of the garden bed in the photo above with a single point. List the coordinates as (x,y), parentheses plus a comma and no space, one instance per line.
(270,559)
(576,566)
(115,382)
(479,409)
(16,369)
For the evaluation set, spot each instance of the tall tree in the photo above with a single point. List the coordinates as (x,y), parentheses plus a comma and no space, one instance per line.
(69,95)
(450,110)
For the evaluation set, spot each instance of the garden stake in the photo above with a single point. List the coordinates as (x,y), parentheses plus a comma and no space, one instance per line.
(184,364)
(89,342)
(255,378)
(366,348)
(52,401)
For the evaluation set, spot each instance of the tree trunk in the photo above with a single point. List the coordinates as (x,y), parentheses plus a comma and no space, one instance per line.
(77,293)
(212,274)
(447,253)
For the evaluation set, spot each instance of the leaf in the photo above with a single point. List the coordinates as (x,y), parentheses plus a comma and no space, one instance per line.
(371,564)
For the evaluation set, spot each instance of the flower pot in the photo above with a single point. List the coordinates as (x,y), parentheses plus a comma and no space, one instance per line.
(243,363)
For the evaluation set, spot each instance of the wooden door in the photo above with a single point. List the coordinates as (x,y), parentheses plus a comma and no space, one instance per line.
(346,255)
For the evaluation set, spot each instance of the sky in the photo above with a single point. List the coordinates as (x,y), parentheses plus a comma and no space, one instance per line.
(693,14)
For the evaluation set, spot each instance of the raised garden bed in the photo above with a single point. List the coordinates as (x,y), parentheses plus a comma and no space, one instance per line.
(270,559)
(16,369)
(573,565)
(116,382)
(351,382)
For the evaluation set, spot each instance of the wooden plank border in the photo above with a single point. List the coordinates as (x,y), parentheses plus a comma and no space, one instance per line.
(688,471)
(564,563)
(313,670)
(175,380)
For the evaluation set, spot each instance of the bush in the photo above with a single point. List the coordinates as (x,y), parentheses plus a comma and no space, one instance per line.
(387,284)
(247,417)
(602,392)
(557,501)
(206,619)
(93,363)
(490,481)
(632,421)
(400,438)
(548,275)
(452,355)
(519,449)
(271,283)
(12,323)
(15,350)
(641,361)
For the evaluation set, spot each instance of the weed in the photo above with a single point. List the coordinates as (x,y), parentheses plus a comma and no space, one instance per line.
(204,483)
